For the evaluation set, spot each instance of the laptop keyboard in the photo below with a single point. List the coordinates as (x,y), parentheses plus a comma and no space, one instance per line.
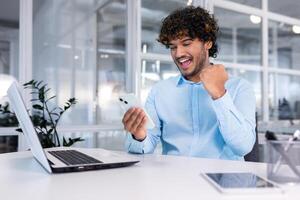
(73,157)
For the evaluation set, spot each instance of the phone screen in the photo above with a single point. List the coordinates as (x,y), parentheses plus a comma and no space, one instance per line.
(239,180)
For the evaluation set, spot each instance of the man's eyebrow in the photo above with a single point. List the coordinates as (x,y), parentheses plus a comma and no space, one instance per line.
(184,40)
(187,39)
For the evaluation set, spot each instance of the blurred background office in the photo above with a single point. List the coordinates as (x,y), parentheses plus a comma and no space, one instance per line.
(96,49)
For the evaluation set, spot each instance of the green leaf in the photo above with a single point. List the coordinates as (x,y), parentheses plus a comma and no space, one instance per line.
(47,90)
(64,142)
(72,100)
(71,141)
(40,122)
(5,108)
(43,87)
(41,96)
(19,130)
(38,107)
(39,83)
(28,83)
(50,131)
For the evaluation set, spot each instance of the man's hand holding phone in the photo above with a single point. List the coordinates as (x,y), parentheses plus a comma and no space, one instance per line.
(135,121)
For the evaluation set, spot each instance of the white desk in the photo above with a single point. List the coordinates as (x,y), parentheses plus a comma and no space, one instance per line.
(155,177)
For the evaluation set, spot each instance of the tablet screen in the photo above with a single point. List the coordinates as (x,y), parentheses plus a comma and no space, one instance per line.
(239,180)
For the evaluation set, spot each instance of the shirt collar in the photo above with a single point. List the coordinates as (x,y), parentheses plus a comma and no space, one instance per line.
(181,81)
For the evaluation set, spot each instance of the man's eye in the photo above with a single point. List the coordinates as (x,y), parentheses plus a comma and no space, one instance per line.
(172,48)
(186,44)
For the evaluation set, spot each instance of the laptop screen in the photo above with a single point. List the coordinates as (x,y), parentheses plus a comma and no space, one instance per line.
(18,106)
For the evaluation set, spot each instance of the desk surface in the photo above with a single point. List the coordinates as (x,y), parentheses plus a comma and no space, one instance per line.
(155,177)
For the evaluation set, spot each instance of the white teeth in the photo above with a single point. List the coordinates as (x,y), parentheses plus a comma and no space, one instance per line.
(183,60)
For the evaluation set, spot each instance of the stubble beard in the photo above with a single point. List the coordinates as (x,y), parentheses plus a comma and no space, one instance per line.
(197,70)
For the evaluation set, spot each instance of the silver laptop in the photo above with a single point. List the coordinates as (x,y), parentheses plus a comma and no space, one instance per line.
(62,159)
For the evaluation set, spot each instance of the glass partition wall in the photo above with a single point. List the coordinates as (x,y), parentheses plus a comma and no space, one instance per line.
(9,69)
(80,48)
(81,53)
(262,37)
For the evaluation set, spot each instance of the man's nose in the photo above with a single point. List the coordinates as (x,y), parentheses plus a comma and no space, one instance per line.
(180,51)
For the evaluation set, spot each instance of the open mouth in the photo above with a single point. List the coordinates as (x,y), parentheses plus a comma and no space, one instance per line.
(184,63)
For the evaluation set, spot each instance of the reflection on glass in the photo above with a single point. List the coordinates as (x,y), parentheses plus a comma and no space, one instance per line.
(80,53)
(286,7)
(152,15)
(64,54)
(254,78)
(9,50)
(284,42)
(111,45)
(284,96)
(9,57)
(4,57)
(154,71)
(240,37)
(239,180)
(253,3)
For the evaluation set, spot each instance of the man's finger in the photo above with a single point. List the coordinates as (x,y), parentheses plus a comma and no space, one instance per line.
(128,114)
(131,120)
(143,123)
(138,120)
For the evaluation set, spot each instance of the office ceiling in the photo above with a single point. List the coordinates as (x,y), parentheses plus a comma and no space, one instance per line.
(9,9)
(286,7)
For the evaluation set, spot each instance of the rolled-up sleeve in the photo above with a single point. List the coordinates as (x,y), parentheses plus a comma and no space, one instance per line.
(236,118)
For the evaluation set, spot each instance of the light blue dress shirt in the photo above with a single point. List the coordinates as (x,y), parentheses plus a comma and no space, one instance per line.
(190,123)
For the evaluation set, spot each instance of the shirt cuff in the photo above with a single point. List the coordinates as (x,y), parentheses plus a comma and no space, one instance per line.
(135,146)
(225,100)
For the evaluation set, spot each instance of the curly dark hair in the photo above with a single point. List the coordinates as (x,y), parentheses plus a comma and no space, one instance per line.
(191,21)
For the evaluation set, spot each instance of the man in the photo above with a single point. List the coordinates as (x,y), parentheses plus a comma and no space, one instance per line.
(202,112)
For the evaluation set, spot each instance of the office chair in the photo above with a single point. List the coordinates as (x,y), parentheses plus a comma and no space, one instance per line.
(253,155)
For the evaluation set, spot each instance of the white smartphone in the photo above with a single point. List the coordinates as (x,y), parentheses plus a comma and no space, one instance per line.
(127,101)
(241,183)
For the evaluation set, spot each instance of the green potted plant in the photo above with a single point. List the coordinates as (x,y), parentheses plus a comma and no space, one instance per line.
(44,118)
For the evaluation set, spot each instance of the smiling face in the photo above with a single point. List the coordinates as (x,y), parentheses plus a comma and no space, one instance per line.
(190,56)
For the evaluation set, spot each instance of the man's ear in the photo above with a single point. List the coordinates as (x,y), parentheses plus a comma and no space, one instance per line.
(208,45)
